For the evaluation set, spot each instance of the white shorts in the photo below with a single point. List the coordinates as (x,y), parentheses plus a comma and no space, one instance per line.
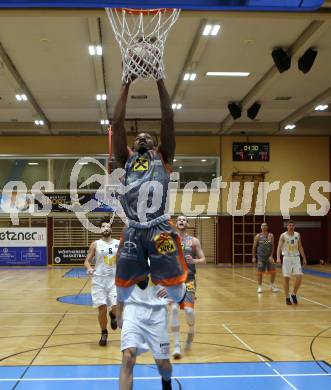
(146,328)
(103,291)
(291,266)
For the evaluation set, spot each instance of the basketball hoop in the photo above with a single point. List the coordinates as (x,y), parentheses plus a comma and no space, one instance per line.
(141,35)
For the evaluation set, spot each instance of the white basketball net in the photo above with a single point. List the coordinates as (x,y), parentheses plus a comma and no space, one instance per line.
(141,35)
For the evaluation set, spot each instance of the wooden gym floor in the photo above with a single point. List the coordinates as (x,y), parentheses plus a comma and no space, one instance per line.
(233,322)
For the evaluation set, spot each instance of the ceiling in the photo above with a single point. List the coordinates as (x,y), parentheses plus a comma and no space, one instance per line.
(44,54)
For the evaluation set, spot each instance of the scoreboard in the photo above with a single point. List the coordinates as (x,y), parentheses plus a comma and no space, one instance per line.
(248,151)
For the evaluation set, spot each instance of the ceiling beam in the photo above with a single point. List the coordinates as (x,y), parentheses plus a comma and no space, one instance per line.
(21,84)
(320,114)
(310,126)
(192,59)
(136,124)
(304,41)
(304,110)
(94,25)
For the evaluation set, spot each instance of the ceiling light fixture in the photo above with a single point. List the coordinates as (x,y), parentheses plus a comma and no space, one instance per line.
(176,106)
(211,29)
(21,96)
(190,76)
(39,122)
(33,163)
(102,96)
(207,29)
(321,107)
(95,50)
(215,29)
(104,122)
(228,74)
(290,127)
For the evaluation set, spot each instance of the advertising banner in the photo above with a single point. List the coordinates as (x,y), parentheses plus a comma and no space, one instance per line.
(60,200)
(69,255)
(23,246)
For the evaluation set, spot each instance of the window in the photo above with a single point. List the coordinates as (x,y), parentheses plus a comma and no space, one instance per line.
(62,169)
(57,169)
(203,169)
(29,170)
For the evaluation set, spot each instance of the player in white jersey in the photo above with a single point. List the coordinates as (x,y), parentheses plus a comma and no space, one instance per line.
(144,323)
(291,247)
(103,288)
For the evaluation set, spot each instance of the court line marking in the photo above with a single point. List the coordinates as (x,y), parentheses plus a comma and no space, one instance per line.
(252,323)
(260,357)
(258,311)
(301,296)
(7,278)
(276,375)
(312,301)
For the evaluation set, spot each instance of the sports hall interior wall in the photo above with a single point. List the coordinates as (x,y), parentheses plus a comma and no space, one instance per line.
(306,159)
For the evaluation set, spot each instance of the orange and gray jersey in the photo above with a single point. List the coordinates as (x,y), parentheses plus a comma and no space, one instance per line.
(147,180)
(264,246)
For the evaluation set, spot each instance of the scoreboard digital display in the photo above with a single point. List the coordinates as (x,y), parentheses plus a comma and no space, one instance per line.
(248,151)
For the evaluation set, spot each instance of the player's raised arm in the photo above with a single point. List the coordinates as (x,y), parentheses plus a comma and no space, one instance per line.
(168,142)
(118,129)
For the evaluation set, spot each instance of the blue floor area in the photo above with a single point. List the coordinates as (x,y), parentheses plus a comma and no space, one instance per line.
(206,376)
(314,272)
(77,299)
(76,273)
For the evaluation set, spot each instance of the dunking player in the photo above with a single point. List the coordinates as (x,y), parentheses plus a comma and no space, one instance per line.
(144,326)
(263,248)
(291,247)
(103,289)
(149,233)
(193,255)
